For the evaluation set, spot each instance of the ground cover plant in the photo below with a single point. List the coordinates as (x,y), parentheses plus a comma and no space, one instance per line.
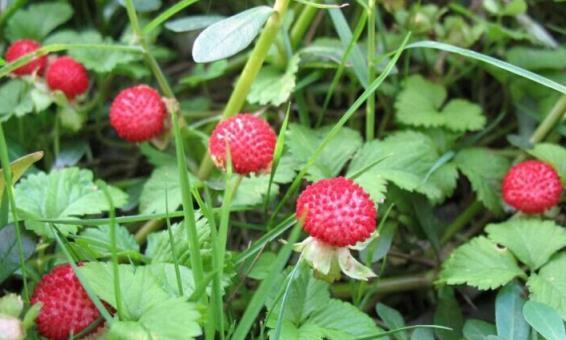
(370,169)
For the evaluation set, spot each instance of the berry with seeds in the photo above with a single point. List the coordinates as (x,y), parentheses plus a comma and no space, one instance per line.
(21,47)
(67,75)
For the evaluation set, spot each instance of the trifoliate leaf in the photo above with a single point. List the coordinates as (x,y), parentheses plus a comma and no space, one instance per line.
(163,183)
(302,142)
(549,285)
(480,263)
(61,194)
(38,20)
(485,171)
(274,87)
(532,241)
(537,58)
(553,154)
(252,191)
(95,242)
(420,102)
(97,60)
(159,246)
(404,159)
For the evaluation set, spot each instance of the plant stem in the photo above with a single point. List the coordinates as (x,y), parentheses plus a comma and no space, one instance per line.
(188,208)
(302,24)
(7,170)
(250,71)
(553,117)
(460,221)
(370,104)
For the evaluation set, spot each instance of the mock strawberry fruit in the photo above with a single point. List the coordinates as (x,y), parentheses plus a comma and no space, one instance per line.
(338,214)
(532,187)
(66,308)
(67,75)
(251,141)
(21,47)
(138,113)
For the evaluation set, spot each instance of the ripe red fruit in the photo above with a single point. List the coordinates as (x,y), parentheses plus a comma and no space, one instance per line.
(138,113)
(337,211)
(22,47)
(67,75)
(251,141)
(532,187)
(66,309)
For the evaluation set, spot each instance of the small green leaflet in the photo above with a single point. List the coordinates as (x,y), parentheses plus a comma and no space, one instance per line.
(274,87)
(420,104)
(95,243)
(38,20)
(60,194)
(192,23)
(227,37)
(480,263)
(532,241)
(252,191)
(548,286)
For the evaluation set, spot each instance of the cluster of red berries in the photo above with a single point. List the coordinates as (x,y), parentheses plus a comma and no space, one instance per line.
(63,73)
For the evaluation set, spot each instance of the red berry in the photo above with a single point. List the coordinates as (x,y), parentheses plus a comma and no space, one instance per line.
(532,187)
(337,211)
(66,309)
(138,113)
(22,47)
(251,141)
(67,75)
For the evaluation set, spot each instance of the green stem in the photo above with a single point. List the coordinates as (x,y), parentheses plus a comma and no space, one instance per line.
(7,170)
(461,221)
(250,71)
(370,104)
(188,208)
(553,117)
(302,24)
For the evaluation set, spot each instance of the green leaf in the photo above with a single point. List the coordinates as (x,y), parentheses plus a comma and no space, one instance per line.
(274,87)
(508,313)
(231,35)
(448,314)
(341,320)
(97,60)
(38,20)
(480,263)
(159,248)
(478,329)
(302,142)
(201,73)
(19,167)
(143,5)
(532,241)
(406,159)
(95,242)
(192,23)
(545,320)
(553,154)
(171,320)
(9,256)
(485,171)
(15,99)
(59,194)
(262,266)
(392,319)
(252,191)
(127,330)
(537,58)
(419,104)
(548,286)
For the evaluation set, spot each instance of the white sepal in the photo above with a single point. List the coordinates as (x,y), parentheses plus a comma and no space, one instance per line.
(351,267)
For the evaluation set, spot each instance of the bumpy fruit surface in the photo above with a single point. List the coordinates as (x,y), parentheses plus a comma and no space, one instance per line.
(21,47)
(532,187)
(251,141)
(66,308)
(67,75)
(337,211)
(138,113)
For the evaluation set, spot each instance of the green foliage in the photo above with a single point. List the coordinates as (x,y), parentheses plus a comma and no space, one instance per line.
(252,191)
(9,259)
(480,263)
(421,104)
(143,5)
(38,20)
(392,319)
(553,154)
(485,171)
(478,329)
(407,157)
(533,242)
(310,313)
(15,99)
(94,243)
(302,142)
(69,192)
(229,36)
(548,286)
(509,313)
(192,23)
(544,320)
(274,87)
(537,58)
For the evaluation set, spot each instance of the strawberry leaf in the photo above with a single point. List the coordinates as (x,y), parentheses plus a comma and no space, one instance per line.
(274,87)
(38,20)
(548,286)
(480,263)
(553,154)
